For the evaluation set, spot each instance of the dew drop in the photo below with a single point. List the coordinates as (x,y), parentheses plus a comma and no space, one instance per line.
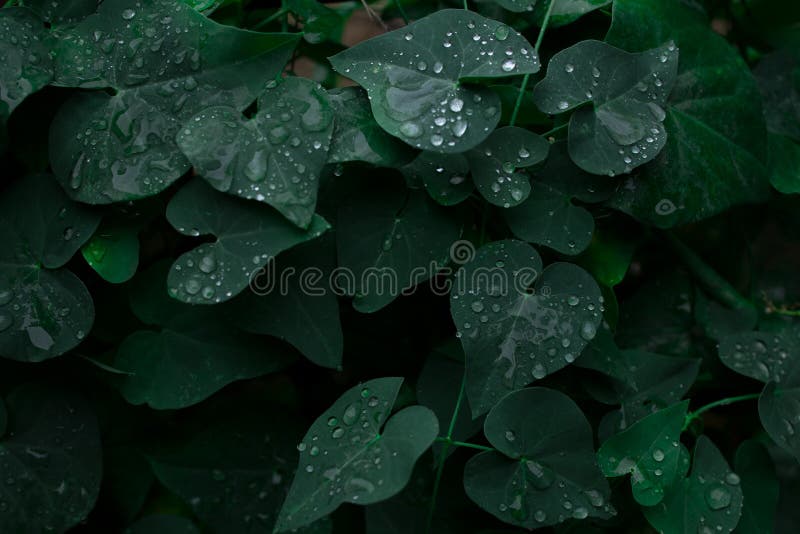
(508,65)
(563,104)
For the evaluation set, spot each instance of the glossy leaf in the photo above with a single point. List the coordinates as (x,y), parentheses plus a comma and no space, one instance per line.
(107,148)
(356,135)
(622,129)
(765,356)
(349,455)
(275,157)
(27,65)
(445,176)
(113,252)
(717,159)
(544,470)
(710,497)
(414,77)
(759,487)
(512,331)
(649,451)
(778,409)
(45,310)
(390,240)
(248,235)
(51,460)
(495,161)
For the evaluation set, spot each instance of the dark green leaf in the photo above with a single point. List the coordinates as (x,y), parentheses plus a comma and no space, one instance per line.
(778,76)
(51,460)
(609,255)
(62,12)
(113,252)
(413,76)
(248,235)
(348,455)
(514,333)
(759,488)
(391,239)
(106,148)
(567,11)
(779,411)
(45,310)
(784,164)
(622,128)
(709,500)
(275,157)
(765,356)
(649,451)
(494,163)
(319,22)
(356,135)
(544,471)
(716,157)
(445,176)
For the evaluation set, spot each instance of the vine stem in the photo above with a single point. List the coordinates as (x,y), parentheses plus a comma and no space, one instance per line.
(446,443)
(466,7)
(402,10)
(281,12)
(724,292)
(691,416)
(527,77)
(554,130)
(465,444)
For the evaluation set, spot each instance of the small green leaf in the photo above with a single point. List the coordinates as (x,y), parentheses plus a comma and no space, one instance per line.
(346,457)
(293,301)
(709,500)
(275,157)
(162,524)
(248,234)
(760,488)
(356,135)
(113,252)
(418,77)
(784,164)
(320,23)
(609,254)
(548,217)
(716,157)
(650,451)
(27,65)
(445,176)
(495,161)
(51,458)
(45,310)
(622,129)
(778,411)
(107,148)
(391,239)
(765,356)
(544,471)
(514,333)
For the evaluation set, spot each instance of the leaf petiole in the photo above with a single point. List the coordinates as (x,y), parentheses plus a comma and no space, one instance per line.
(691,416)
(465,444)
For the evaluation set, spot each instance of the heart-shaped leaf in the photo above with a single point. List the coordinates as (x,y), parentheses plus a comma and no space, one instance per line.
(544,471)
(248,235)
(295,302)
(51,460)
(760,488)
(27,65)
(445,176)
(45,310)
(158,57)
(513,333)
(417,77)
(709,500)
(650,451)
(390,240)
(348,455)
(275,157)
(192,354)
(765,356)
(494,163)
(717,159)
(622,128)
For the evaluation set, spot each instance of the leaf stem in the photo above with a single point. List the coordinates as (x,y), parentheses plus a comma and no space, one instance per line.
(466,7)
(554,130)
(691,416)
(447,442)
(281,12)
(527,77)
(724,292)
(465,444)
(402,10)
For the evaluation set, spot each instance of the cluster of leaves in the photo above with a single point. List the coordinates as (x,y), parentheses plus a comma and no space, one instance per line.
(607,191)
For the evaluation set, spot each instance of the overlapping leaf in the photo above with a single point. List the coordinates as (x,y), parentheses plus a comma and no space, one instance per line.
(275,157)
(623,128)
(417,77)
(445,176)
(349,455)
(248,235)
(544,471)
(45,310)
(165,63)
(514,333)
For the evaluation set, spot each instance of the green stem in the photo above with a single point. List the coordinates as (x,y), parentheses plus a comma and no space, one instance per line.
(691,416)
(465,444)
(281,12)
(443,453)
(554,130)
(466,7)
(402,10)
(284,21)
(724,292)
(527,77)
